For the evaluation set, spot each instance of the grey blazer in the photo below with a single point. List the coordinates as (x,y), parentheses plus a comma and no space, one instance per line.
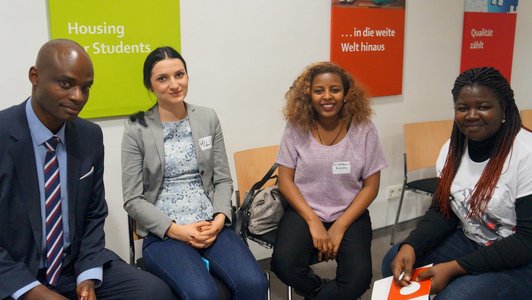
(143,167)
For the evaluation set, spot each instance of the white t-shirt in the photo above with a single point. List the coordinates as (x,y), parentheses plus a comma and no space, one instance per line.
(499,218)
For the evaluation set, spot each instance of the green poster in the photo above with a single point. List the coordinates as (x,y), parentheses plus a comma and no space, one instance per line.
(118,35)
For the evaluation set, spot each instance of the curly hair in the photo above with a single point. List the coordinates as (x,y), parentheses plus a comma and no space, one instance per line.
(299,110)
(490,78)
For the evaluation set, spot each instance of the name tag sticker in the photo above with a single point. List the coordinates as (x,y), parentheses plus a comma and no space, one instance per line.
(341,167)
(205,142)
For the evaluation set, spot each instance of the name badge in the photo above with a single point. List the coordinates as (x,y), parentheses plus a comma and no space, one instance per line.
(205,142)
(341,167)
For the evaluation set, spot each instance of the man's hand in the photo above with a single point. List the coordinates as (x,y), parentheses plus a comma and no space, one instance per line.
(441,275)
(85,290)
(41,292)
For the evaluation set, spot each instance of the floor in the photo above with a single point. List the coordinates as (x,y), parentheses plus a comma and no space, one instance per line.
(379,246)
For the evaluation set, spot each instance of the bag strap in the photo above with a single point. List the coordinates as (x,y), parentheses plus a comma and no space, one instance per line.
(257,186)
(241,220)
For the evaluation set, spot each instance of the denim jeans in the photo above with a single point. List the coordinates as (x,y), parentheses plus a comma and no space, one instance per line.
(294,252)
(511,284)
(182,268)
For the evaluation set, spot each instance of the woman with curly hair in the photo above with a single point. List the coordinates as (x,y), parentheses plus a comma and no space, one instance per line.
(478,231)
(329,171)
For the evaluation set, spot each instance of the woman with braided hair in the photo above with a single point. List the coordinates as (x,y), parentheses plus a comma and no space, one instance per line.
(478,230)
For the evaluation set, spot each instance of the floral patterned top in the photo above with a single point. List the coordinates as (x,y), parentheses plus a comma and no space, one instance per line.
(182,196)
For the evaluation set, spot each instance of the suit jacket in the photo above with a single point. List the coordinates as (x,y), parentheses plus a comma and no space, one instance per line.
(20,213)
(143,167)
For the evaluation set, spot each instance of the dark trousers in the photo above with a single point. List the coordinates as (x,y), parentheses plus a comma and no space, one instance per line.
(120,281)
(294,252)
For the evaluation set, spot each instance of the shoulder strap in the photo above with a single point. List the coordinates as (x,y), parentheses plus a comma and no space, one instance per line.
(257,186)
(242,218)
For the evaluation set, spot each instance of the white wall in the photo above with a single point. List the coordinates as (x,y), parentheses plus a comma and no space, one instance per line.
(244,54)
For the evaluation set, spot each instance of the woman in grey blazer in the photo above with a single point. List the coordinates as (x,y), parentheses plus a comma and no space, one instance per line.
(177,187)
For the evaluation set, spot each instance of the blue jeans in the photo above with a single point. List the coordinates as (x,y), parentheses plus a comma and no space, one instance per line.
(182,268)
(510,284)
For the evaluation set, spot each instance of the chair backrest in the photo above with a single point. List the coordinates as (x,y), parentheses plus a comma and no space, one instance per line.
(423,142)
(526,117)
(251,165)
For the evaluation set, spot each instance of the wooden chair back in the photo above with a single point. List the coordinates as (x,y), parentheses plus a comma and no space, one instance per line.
(526,117)
(423,142)
(251,165)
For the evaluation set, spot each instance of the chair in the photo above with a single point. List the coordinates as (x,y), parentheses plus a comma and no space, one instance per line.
(251,166)
(223,292)
(526,117)
(423,142)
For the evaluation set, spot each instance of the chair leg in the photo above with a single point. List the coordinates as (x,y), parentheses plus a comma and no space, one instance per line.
(269,294)
(132,256)
(289,292)
(392,240)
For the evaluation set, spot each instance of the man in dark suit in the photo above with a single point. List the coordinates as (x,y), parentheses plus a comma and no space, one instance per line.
(58,253)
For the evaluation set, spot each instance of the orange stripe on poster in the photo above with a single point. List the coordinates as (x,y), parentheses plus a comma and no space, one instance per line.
(368,42)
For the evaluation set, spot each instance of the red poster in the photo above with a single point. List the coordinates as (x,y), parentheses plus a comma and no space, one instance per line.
(489,33)
(367,39)
(488,40)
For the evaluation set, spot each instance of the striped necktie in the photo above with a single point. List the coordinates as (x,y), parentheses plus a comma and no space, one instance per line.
(54,220)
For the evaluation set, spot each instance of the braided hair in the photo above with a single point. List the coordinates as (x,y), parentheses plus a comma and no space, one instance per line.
(491,78)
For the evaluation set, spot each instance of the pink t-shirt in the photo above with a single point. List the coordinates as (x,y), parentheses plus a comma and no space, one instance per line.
(329,177)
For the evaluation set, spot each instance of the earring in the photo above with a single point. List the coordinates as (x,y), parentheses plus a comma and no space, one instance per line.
(503,121)
(345,101)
